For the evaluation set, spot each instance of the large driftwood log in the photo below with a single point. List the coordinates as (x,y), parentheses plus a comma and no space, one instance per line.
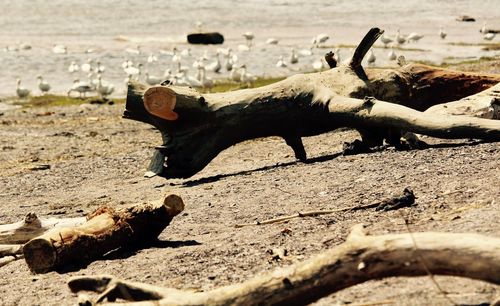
(106,230)
(196,127)
(359,259)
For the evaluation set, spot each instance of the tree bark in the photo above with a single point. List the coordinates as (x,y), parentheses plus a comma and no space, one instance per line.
(359,259)
(105,230)
(196,127)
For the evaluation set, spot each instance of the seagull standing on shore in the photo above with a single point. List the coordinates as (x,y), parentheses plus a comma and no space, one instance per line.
(21,91)
(385,40)
(249,37)
(371,57)
(442,33)
(73,67)
(281,63)
(415,37)
(400,39)
(489,36)
(294,59)
(392,55)
(43,85)
(60,49)
(320,39)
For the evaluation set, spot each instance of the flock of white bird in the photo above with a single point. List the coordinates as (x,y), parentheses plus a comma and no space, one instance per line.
(225,59)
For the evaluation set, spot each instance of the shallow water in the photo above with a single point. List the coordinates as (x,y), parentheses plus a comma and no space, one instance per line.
(160,25)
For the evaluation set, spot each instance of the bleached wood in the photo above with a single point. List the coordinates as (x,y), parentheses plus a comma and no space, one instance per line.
(360,258)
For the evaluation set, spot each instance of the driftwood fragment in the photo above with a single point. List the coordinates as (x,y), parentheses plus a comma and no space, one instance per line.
(196,127)
(106,230)
(22,231)
(359,259)
(407,199)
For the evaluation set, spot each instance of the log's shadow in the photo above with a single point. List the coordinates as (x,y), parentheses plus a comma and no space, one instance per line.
(214,178)
(126,252)
(318,159)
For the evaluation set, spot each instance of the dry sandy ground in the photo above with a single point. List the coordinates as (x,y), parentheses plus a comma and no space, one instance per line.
(97,158)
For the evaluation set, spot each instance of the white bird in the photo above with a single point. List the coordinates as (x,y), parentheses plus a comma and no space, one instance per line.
(489,36)
(243,48)
(318,65)
(127,63)
(272,41)
(43,85)
(235,74)
(176,58)
(249,37)
(137,50)
(205,81)
(152,58)
(281,63)
(306,52)
(186,52)
(385,40)
(21,91)
(216,65)
(371,57)
(24,46)
(87,67)
(415,37)
(132,70)
(99,69)
(400,39)
(442,33)
(392,55)
(484,29)
(80,87)
(104,89)
(73,67)
(152,80)
(11,49)
(320,38)
(245,77)
(60,49)
(294,59)
(199,26)
(167,75)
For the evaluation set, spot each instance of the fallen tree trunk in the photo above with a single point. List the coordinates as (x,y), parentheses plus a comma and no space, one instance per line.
(359,259)
(106,230)
(196,127)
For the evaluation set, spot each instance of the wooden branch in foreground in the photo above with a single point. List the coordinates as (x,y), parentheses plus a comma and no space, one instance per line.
(106,230)
(359,259)
(196,127)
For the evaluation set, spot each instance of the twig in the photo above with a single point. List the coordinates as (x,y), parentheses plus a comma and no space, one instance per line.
(308,214)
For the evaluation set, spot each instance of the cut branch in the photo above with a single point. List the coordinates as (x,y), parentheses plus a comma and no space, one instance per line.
(105,230)
(195,128)
(359,259)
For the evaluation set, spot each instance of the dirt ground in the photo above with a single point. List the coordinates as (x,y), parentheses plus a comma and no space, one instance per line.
(98,158)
